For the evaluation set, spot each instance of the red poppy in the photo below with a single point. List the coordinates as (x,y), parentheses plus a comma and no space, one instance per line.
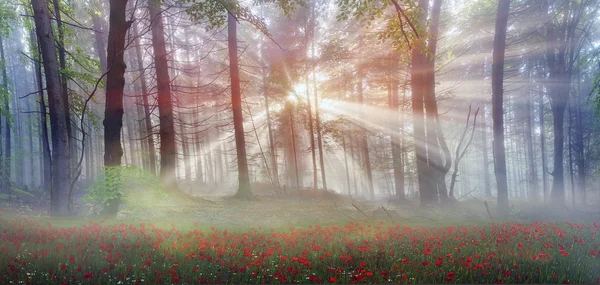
(332,279)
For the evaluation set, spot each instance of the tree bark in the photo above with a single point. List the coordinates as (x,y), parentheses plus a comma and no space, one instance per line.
(363,138)
(61,164)
(497,102)
(168,151)
(532,173)
(147,115)
(578,144)
(397,162)
(5,166)
(543,144)
(63,80)
(5,160)
(45,143)
(115,82)
(236,102)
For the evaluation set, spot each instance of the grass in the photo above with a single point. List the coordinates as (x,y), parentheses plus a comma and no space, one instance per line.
(75,251)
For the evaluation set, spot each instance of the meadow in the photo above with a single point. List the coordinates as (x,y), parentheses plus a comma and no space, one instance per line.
(35,251)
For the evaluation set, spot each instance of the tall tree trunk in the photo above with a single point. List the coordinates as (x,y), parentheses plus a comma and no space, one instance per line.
(45,143)
(294,153)
(363,138)
(61,164)
(319,136)
(397,142)
(558,106)
(532,173)
(168,152)
(579,147)
(147,115)
(311,132)
(571,174)
(436,144)
(236,102)
(115,82)
(486,163)
(417,82)
(63,79)
(346,164)
(272,151)
(311,129)
(497,102)
(5,165)
(198,146)
(541,115)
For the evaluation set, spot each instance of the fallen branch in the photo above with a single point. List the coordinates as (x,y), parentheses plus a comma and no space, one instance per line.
(360,211)
(466,194)
(388,213)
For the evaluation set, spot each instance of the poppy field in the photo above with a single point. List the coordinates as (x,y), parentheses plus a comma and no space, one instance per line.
(359,252)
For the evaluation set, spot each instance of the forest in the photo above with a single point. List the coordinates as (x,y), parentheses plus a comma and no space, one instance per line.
(373,138)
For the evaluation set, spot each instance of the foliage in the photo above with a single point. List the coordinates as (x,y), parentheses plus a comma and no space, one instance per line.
(399,25)
(216,12)
(128,183)
(7,18)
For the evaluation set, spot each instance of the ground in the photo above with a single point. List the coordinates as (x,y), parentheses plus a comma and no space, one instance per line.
(311,238)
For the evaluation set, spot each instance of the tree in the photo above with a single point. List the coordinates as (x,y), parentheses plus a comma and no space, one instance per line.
(236,102)
(61,163)
(497,108)
(115,82)
(168,151)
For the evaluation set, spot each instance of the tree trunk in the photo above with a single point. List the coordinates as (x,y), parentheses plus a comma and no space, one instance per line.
(168,152)
(319,136)
(236,102)
(63,79)
(61,164)
(346,164)
(5,167)
(115,82)
(45,143)
(486,163)
(147,115)
(578,144)
(497,108)
(272,152)
(543,144)
(532,173)
(5,160)
(417,82)
(570,144)
(558,106)
(397,143)
(294,153)
(363,138)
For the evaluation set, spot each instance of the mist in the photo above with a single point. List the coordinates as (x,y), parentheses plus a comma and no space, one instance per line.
(299,141)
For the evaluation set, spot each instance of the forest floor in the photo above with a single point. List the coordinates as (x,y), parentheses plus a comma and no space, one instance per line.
(316,237)
(309,207)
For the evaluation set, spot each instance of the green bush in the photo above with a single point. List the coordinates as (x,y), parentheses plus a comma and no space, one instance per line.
(132,185)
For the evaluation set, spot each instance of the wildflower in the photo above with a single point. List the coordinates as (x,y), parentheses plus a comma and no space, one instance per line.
(332,279)
(425,263)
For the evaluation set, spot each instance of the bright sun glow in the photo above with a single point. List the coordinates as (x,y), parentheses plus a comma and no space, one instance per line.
(292,98)
(300,88)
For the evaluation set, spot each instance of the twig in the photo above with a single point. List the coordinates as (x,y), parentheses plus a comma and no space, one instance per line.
(467,194)
(388,213)
(360,211)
